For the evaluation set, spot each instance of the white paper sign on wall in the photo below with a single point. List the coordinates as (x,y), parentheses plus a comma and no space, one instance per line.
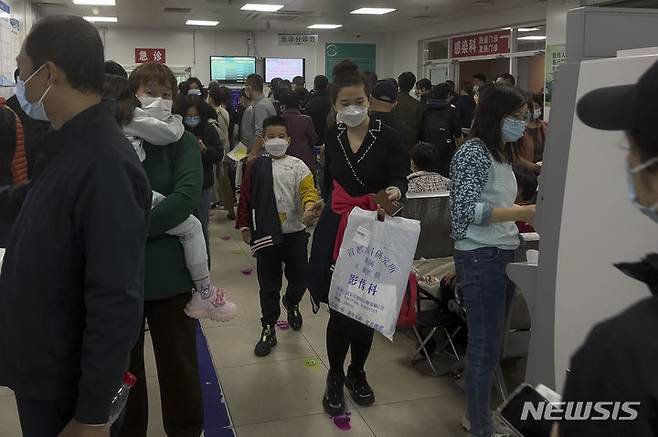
(297,39)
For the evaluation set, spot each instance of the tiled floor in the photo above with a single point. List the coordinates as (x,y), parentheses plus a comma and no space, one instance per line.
(280,395)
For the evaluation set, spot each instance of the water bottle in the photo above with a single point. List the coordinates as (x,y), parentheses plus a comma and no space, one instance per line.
(120,399)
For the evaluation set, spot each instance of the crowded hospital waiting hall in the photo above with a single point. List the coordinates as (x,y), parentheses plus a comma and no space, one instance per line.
(328,218)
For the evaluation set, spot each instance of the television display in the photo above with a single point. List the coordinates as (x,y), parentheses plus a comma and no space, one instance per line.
(232,69)
(285,68)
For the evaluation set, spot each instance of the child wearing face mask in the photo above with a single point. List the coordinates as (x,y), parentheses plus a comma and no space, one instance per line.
(278,200)
(154,123)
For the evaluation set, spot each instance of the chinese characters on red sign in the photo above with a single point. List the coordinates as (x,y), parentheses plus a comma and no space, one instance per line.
(150,55)
(492,43)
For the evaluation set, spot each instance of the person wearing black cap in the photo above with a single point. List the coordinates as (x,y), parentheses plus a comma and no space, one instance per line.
(382,102)
(619,359)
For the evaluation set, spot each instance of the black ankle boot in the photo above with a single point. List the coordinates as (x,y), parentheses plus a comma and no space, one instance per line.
(267,341)
(334,399)
(359,388)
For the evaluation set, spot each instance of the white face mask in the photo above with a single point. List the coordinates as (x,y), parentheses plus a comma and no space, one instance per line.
(34,110)
(156,107)
(353,115)
(276,147)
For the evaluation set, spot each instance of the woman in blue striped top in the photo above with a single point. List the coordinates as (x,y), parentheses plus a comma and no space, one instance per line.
(482,194)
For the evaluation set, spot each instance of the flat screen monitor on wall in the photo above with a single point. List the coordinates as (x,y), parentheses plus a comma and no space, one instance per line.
(285,68)
(232,69)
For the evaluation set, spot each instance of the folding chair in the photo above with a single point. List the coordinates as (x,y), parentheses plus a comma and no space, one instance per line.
(438,320)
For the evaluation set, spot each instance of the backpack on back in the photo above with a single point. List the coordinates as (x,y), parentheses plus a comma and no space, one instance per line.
(437,129)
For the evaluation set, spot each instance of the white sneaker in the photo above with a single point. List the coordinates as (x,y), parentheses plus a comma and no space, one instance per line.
(215,308)
(499,428)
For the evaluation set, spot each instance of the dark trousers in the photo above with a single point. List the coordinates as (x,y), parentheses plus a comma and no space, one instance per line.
(48,418)
(344,332)
(293,254)
(174,344)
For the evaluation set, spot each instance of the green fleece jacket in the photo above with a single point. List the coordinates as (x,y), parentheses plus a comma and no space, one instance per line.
(176,172)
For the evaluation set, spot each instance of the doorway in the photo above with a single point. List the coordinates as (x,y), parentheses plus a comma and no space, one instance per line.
(489,67)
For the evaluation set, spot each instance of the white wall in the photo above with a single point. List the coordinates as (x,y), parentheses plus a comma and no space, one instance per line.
(194,48)
(407,55)
(24,12)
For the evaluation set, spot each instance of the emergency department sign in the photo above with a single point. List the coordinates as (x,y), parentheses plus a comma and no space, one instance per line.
(481,44)
(150,55)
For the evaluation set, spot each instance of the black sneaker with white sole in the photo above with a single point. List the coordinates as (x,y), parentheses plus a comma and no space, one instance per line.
(295,319)
(357,383)
(334,398)
(267,341)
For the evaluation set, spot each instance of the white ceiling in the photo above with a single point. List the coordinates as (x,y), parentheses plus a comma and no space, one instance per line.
(294,17)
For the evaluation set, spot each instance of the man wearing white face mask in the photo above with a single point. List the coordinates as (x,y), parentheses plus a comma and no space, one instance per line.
(75,260)
(278,199)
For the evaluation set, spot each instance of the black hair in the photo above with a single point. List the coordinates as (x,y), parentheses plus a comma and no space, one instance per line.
(481,77)
(256,82)
(115,68)
(276,120)
(72,44)
(440,92)
(243,94)
(17,73)
(221,95)
(425,156)
(206,112)
(424,84)
(195,80)
(371,79)
(468,88)
(298,81)
(347,74)
(183,87)
(527,183)
(496,103)
(450,83)
(117,88)
(289,99)
(407,80)
(506,79)
(275,81)
(321,83)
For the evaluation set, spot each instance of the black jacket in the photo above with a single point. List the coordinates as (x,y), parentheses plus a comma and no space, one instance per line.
(35,133)
(71,287)
(257,208)
(381,162)
(440,127)
(410,111)
(393,120)
(619,362)
(318,107)
(213,154)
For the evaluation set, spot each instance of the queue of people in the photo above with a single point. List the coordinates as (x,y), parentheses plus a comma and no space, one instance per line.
(119,231)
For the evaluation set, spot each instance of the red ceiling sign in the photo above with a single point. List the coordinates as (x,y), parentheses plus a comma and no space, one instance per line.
(150,55)
(481,44)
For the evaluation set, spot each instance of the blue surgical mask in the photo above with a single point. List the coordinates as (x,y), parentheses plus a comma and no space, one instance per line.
(512,129)
(194,92)
(34,110)
(649,211)
(192,122)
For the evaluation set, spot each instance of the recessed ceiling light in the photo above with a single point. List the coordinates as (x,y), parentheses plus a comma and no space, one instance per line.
(506,28)
(201,23)
(533,38)
(96,19)
(261,8)
(372,11)
(528,29)
(95,2)
(324,26)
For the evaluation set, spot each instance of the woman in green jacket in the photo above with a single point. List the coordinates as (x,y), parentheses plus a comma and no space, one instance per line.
(176,172)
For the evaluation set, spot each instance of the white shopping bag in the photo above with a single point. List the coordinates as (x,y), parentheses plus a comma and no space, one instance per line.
(372,270)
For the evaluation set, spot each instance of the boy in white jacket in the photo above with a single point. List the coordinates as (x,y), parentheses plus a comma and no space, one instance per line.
(155,124)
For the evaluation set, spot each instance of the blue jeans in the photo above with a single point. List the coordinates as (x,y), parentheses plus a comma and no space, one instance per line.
(487,292)
(204,215)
